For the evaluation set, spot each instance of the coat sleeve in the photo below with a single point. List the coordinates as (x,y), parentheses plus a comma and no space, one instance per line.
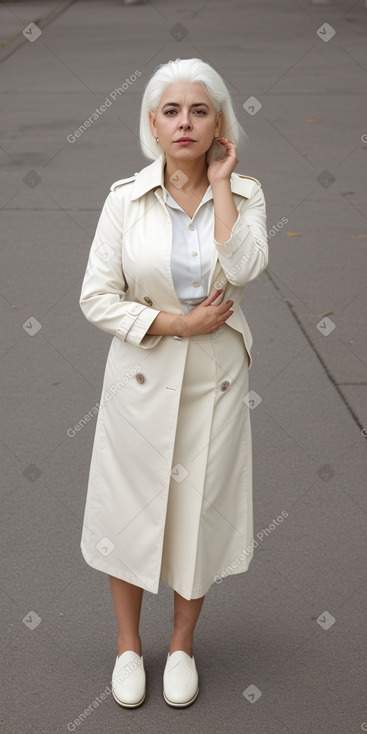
(245,254)
(102,297)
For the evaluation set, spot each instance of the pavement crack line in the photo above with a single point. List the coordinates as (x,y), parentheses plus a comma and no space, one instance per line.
(19,40)
(326,369)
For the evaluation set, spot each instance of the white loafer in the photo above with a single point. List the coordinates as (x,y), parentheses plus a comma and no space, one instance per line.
(128,679)
(180,679)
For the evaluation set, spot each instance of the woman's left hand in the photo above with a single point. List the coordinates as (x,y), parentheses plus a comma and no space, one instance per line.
(221,170)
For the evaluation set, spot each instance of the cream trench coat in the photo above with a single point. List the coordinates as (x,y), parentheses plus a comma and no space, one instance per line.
(127,282)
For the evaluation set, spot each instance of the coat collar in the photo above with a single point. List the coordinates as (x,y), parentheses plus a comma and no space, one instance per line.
(153,175)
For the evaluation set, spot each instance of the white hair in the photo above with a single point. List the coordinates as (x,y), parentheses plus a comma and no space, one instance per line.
(191,70)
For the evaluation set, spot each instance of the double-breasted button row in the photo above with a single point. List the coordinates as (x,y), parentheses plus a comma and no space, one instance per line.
(141,378)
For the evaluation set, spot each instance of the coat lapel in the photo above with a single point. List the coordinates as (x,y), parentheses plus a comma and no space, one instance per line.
(152,176)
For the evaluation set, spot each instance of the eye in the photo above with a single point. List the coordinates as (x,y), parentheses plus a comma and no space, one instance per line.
(201,111)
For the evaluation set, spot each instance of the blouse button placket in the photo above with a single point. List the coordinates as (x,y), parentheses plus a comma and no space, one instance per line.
(194,255)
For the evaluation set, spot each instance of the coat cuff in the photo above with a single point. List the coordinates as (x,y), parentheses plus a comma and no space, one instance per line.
(135,323)
(237,237)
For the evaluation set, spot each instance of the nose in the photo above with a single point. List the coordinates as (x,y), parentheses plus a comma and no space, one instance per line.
(184,122)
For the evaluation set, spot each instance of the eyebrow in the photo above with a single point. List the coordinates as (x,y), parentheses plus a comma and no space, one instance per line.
(195,104)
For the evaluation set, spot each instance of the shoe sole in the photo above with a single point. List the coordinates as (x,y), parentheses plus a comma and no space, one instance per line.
(181,705)
(128,705)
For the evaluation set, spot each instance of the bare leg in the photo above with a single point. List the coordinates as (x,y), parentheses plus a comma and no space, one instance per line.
(127,600)
(186,614)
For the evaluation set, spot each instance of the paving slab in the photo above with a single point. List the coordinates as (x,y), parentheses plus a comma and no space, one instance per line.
(281,647)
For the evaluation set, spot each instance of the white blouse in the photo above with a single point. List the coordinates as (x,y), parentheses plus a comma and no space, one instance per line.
(192,249)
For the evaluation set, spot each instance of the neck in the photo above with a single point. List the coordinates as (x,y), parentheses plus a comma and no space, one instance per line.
(196,172)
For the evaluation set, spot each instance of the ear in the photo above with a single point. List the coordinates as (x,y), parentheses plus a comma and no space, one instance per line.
(152,119)
(218,124)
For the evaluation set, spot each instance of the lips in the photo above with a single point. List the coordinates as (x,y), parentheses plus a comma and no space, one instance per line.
(183,140)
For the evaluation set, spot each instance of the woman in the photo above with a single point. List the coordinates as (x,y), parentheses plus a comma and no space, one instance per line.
(170,484)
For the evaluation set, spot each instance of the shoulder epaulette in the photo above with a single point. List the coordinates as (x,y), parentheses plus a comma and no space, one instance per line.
(121,182)
(240,175)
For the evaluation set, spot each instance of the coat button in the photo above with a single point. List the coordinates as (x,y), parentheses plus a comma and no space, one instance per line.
(225,385)
(148,300)
(140,377)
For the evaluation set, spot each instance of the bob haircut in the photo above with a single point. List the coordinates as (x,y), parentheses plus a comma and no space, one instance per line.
(191,70)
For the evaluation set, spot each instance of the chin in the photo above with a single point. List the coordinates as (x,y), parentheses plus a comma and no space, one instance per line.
(187,150)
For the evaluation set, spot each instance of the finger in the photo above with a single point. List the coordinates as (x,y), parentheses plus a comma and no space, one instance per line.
(212,298)
(225,141)
(223,307)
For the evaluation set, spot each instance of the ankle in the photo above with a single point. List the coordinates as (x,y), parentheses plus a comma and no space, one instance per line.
(181,643)
(125,643)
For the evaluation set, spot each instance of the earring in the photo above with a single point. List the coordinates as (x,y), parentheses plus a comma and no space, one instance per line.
(157,139)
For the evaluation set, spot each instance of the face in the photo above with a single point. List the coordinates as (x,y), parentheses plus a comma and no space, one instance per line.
(185,110)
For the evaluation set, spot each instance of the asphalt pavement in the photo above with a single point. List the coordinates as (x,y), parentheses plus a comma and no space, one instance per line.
(282,647)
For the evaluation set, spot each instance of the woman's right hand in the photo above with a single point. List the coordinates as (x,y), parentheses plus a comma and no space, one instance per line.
(207,318)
